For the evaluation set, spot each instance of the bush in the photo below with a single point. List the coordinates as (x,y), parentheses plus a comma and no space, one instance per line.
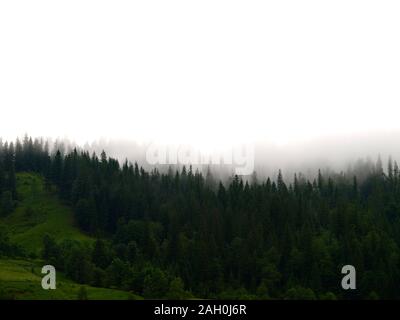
(82,294)
(300,293)
(155,284)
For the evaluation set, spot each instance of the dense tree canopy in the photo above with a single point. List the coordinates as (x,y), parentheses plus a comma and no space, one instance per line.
(175,235)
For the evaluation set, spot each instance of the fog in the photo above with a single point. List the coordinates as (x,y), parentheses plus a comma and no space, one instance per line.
(309,84)
(338,154)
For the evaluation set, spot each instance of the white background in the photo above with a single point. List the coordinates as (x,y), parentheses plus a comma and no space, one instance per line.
(204,72)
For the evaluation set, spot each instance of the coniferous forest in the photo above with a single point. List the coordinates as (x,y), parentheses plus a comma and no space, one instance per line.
(182,234)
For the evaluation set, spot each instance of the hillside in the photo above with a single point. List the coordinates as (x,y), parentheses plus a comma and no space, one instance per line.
(40,212)
(179,235)
(21,279)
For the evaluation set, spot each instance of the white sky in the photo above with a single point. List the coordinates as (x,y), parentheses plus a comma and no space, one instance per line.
(204,72)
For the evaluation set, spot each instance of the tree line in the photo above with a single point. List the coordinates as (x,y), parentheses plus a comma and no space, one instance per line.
(181,234)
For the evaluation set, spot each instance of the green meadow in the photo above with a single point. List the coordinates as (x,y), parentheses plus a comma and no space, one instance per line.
(41,212)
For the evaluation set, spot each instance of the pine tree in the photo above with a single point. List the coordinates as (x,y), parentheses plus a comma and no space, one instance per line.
(56,170)
(390,169)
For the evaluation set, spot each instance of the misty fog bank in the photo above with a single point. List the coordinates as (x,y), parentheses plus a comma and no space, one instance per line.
(330,154)
(338,153)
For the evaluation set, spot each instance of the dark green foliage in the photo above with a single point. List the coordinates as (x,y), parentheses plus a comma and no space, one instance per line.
(6,203)
(300,293)
(7,248)
(78,265)
(176,290)
(155,284)
(86,215)
(118,272)
(164,235)
(8,191)
(82,293)
(51,252)
(5,245)
(100,255)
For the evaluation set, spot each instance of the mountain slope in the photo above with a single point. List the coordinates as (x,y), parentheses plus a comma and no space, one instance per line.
(21,279)
(39,212)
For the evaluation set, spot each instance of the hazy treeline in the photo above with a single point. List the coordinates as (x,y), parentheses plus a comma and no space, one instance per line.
(335,154)
(332,155)
(183,233)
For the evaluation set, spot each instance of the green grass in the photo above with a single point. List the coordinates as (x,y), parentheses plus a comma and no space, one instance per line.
(21,279)
(39,212)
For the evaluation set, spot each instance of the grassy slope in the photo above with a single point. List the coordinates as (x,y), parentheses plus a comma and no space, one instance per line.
(48,215)
(21,279)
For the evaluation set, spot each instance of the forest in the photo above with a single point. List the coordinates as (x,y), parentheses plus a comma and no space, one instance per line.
(183,234)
